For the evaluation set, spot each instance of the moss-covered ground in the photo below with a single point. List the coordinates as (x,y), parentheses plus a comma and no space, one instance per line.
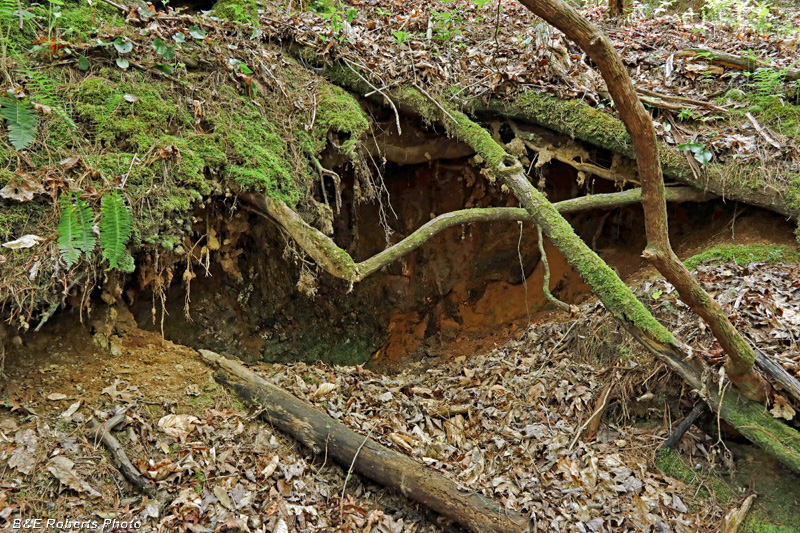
(775,507)
(744,254)
(169,132)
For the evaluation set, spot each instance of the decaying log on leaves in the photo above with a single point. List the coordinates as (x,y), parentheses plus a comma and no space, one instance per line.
(787,382)
(121,461)
(750,64)
(326,436)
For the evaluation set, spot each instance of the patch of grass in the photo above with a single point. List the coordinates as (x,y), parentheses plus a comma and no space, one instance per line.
(743,255)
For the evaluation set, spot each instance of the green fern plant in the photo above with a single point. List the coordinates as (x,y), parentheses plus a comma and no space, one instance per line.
(116,225)
(43,90)
(75,234)
(21,120)
(8,12)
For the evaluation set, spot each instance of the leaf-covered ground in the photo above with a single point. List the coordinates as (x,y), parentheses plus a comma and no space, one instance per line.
(513,423)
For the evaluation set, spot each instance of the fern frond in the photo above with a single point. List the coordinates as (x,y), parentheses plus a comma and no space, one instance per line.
(67,231)
(86,239)
(75,234)
(21,120)
(43,90)
(116,225)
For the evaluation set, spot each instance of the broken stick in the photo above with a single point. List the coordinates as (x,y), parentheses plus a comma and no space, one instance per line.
(325,435)
(103,433)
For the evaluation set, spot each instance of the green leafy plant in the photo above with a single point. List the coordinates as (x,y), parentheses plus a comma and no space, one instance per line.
(767,84)
(116,225)
(197,33)
(401,37)
(702,154)
(75,234)
(43,90)
(123,47)
(21,120)
(161,48)
(686,114)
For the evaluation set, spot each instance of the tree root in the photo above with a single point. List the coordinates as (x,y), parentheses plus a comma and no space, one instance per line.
(338,263)
(676,435)
(561,306)
(750,418)
(103,433)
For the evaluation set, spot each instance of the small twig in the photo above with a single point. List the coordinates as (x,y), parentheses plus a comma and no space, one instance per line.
(681,99)
(396,112)
(19,13)
(760,129)
(597,412)
(436,103)
(676,435)
(309,127)
(102,432)
(350,471)
(114,4)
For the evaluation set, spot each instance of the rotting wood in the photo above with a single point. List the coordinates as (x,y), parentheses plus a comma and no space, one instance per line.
(788,383)
(723,59)
(326,436)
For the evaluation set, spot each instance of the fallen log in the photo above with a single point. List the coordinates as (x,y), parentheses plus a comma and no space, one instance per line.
(324,435)
(750,64)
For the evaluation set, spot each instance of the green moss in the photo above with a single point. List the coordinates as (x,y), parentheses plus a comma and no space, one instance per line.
(743,255)
(16,216)
(774,509)
(338,111)
(672,464)
(237,10)
(576,119)
(80,20)
(256,150)
(124,125)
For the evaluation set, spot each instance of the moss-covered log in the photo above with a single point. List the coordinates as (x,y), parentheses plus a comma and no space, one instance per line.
(582,122)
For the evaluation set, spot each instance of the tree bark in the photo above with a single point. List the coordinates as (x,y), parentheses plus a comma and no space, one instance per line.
(741,357)
(326,436)
(616,8)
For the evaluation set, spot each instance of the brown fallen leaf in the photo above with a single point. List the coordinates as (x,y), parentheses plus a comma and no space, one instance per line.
(61,468)
(22,187)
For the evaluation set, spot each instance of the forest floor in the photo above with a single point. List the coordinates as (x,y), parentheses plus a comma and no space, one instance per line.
(512,422)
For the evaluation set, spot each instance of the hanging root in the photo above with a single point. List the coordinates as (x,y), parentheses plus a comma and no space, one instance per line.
(561,306)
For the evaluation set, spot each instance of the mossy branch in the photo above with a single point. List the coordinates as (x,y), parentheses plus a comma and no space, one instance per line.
(338,262)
